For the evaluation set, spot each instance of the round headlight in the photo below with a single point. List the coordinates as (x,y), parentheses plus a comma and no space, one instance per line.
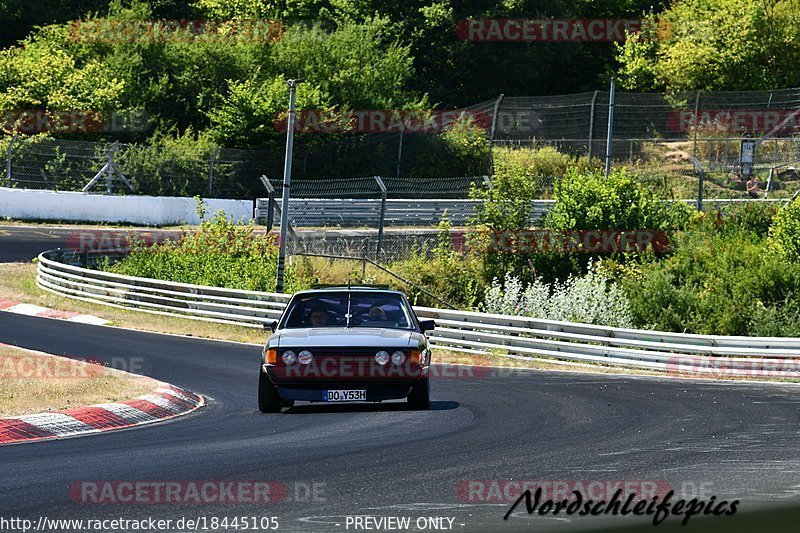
(398,358)
(382,357)
(289,357)
(305,357)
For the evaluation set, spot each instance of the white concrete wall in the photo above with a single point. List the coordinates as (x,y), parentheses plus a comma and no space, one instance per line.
(25,204)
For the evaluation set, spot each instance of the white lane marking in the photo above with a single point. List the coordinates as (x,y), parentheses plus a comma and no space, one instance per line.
(37,310)
(176,394)
(58,424)
(128,413)
(161,402)
(88,319)
(27,309)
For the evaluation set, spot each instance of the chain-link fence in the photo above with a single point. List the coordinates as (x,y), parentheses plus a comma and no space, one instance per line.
(668,137)
(666,140)
(62,165)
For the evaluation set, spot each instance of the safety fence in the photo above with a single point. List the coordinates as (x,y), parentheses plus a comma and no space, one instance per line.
(464,331)
(658,135)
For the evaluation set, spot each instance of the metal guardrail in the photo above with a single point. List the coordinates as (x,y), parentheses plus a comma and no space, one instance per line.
(457,330)
(357,212)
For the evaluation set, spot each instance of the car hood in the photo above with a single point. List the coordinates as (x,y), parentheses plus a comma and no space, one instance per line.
(349,337)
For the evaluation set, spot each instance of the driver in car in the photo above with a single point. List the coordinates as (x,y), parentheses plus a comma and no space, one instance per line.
(319,318)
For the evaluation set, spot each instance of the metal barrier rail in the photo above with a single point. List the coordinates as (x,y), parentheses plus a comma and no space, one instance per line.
(458,330)
(356,212)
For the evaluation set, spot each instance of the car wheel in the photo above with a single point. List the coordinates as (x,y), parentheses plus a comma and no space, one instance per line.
(420,396)
(269,401)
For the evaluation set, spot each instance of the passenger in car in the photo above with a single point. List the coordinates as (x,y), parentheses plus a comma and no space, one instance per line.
(376,314)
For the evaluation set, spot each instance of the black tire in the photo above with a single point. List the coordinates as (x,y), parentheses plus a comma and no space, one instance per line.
(287,403)
(269,401)
(420,396)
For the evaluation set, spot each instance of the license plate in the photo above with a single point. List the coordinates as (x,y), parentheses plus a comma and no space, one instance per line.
(345,395)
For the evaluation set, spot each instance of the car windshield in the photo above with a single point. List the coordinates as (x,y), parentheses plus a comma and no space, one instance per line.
(380,310)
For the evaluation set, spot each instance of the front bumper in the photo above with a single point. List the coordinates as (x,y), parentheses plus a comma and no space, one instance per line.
(312,389)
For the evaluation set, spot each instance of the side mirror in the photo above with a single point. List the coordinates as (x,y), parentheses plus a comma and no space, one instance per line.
(426,325)
(272,326)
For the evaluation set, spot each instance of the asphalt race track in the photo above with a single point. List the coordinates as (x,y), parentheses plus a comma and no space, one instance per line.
(735,440)
(20,243)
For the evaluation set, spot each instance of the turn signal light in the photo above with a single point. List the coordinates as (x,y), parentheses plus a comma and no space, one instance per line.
(272,356)
(415,358)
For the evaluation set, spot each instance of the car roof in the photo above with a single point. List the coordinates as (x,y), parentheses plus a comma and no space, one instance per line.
(349,288)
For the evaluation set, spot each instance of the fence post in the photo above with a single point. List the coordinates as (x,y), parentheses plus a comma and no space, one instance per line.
(270,201)
(400,150)
(610,136)
(492,132)
(110,168)
(8,159)
(211,169)
(591,124)
(696,116)
(383,216)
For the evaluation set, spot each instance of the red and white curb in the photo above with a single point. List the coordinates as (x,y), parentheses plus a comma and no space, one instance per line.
(36,310)
(165,402)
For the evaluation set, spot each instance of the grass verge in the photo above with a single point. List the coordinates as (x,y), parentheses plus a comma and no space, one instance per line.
(33,382)
(18,283)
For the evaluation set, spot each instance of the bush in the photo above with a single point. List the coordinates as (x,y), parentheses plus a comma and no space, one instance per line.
(541,167)
(456,278)
(219,254)
(785,232)
(752,217)
(589,299)
(726,284)
(589,201)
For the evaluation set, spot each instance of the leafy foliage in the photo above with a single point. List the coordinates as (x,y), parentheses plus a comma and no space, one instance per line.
(219,254)
(716,283)
(715,45)
(785,232)
(590,201)
(589,299)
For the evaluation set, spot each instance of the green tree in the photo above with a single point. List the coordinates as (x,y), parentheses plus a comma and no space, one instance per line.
(715,45)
